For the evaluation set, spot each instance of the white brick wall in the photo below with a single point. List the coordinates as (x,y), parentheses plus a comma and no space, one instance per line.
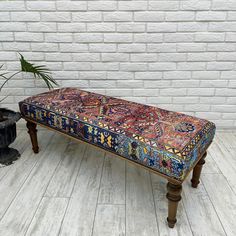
(176,54)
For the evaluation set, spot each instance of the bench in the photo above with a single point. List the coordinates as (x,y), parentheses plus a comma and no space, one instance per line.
(170,144)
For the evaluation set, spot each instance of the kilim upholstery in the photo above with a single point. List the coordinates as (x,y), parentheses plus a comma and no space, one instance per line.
(167,142)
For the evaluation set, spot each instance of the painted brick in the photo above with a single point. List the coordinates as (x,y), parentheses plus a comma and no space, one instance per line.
(221,47)
(86,16)
(101,47)
(13,46)
(56,16)
(25,16)
(130,84)
(173,75)
(161,27)
(172,57)
(180,16)
(12,6)
(134,27)
(120,75)
(201,91)
(58,37)
(144,57)
(71,27)
(86,57)
(41,5)
(12,26)
(132,5)
(90,75)
(164,5)
(162,66)
(210,16)
(192,26)
(71,5)
(133,66)
(101,27)
(191,66)
(149,16)
(148,38)
(178,37)
(157,84)
(115,57)
(230,37)
(173,92)
(42,27)
(102,5)
(191,47)
(148,75)
(202,56)
(195,5)
(222,26)
(209,37)
(131,48)
(223,5)
(220,65)
(88,37)
(117,16)
(75,47)
(28,37)
(117,38)
(163,47)
(226,56)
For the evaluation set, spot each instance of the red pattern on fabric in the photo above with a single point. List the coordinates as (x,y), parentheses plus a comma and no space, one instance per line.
(151,124)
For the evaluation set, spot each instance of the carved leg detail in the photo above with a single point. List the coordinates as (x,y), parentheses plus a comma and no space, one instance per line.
(174,196)
(197,171)
(33,135)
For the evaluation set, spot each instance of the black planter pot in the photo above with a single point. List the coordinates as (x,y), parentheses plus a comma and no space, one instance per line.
(7,136)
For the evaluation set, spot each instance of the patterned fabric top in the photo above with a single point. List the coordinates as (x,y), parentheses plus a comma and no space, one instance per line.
(173,132)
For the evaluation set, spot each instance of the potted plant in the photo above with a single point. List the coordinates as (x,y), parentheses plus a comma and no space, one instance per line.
(9,118)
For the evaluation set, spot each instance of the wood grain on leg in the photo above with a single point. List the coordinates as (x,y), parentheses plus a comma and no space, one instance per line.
(174,196)
(197,171)
(33,135)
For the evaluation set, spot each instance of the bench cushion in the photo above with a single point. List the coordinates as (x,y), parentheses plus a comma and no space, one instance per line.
(166,141)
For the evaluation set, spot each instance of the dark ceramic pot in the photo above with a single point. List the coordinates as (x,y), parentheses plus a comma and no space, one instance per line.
(7,136)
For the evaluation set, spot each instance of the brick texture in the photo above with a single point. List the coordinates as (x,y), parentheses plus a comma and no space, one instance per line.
(175,54)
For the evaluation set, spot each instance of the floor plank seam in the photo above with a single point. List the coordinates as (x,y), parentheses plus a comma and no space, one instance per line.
(187,217)
(43,195)
(125,195)
(100,180)
(110,204)
(202,182)
(63,218)
(154,202)
(37,161)
(226,178)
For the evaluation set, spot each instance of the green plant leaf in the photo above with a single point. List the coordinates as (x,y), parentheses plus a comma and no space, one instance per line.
(40,72)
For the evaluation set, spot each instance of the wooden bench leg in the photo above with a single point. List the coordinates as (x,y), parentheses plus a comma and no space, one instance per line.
(197,171)
(174,196)
(33,135)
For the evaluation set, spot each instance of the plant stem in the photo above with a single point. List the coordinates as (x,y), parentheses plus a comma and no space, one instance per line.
(9,79)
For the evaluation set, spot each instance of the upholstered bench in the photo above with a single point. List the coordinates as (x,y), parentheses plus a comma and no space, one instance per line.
(168,143)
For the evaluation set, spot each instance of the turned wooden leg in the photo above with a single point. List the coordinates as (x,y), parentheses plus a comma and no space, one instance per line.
(33,135)
(174,196)
(197,171)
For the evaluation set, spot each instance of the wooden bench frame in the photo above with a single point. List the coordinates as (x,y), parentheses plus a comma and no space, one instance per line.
(174,187)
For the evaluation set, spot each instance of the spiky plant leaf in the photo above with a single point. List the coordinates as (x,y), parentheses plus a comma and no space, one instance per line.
(40,72)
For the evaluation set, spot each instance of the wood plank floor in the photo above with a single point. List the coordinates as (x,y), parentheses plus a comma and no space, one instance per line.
(74,189)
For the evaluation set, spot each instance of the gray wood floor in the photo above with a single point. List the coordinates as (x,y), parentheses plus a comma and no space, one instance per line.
(74,189)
